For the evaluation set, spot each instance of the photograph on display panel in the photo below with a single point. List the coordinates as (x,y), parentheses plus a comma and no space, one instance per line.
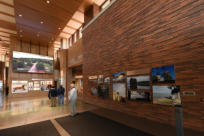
(139,96)
(138,83)
(30,86)
(119,91)
(119,77)
(19,86)
(166,95)
(107,80)
(164,74)
(103,91)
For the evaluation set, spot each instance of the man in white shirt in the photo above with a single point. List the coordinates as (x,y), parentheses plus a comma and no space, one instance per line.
(72,98)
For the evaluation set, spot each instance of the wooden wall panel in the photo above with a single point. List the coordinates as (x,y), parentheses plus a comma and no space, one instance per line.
(62,57)
(15,46)
(134,35)
(2,66)
(75,55)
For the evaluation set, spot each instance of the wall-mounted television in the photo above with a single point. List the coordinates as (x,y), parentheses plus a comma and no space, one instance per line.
(32,63)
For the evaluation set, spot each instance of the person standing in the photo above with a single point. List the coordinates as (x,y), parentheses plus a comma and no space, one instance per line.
(72,96)
(52,95)
(60,94)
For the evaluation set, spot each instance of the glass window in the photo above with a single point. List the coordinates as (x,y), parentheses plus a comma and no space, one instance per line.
(75,37)
(105,4)
(70,41)
(80,32)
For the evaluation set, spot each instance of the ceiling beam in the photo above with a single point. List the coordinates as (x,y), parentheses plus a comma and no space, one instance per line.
(4,36)
(7,25)
(66,33)
(71,27)
(7,32)
(1,2)
(77,20)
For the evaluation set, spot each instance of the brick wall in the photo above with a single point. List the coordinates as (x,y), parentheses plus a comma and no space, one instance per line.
(140,34)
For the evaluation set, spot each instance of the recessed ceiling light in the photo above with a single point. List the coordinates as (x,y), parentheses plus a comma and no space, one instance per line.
(41,22)
(59,28)
(47,1)
(21,31)
(21,35)
(20,15)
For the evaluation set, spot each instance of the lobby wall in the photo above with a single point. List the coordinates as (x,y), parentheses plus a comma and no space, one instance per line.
(34,49)
(135,35)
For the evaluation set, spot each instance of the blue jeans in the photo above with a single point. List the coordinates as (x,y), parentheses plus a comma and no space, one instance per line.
(61,99)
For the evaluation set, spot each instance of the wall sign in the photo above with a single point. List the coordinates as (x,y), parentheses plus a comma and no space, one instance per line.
(138,72)
(93,77)
(189,93)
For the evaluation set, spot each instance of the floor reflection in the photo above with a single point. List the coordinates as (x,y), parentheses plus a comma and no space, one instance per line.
(16,112)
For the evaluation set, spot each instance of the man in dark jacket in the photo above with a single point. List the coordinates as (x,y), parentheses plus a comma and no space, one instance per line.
(60,94)
(52,95)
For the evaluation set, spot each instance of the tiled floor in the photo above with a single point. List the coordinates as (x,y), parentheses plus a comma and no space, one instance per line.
(21,111)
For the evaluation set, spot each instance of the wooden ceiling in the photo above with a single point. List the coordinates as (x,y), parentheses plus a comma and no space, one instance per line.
(7,25)
(40,21)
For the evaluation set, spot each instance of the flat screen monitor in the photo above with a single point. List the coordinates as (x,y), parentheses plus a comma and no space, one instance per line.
(32,63)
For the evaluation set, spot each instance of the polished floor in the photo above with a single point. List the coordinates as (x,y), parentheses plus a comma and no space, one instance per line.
(22,111)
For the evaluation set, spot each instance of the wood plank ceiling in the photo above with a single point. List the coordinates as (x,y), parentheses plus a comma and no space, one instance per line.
(75,22)
(7,26)
(41,20)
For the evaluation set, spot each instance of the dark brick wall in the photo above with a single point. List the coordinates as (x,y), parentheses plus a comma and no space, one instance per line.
(140,34)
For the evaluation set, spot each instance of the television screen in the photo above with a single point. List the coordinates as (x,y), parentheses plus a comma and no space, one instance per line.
(138,83)
(32,63)
(164,74)
(166,95)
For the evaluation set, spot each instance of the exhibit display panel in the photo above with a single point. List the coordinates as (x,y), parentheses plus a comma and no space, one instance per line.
(19,86)
(166,95)
(139,96)
(32,63)
(138,83)
(163,74)
(42,85)
(119,77)
(30,86)
(119,92)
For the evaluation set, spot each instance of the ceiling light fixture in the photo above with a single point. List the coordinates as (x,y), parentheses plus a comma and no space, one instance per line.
(21,31)
(21,35)
(47,1)
(41,22)
(20,15)
(59,28)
